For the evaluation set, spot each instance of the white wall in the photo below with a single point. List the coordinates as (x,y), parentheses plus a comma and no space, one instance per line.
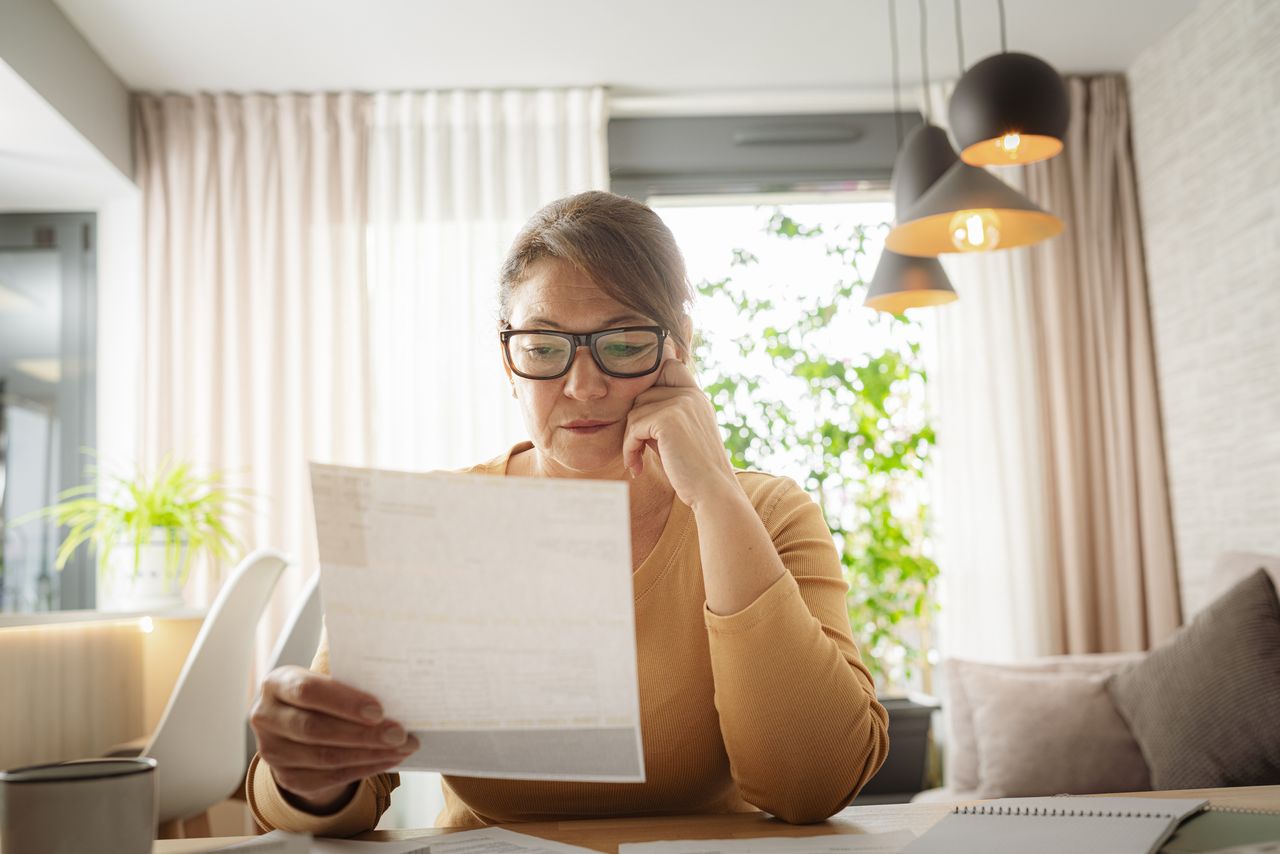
(39,43)
(1205,102)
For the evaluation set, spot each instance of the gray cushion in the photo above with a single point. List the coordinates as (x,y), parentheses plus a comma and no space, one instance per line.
(1205,707)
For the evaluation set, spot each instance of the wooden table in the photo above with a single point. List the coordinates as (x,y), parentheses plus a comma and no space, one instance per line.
(606,834)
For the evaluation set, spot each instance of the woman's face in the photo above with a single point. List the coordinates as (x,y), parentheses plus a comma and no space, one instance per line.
(557,296)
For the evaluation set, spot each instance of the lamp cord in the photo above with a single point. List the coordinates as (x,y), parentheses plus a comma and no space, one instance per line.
(959,39)
(1004,43)
(893,53)
(924,59)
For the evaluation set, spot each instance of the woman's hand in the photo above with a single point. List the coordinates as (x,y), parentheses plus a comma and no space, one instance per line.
(320,736)
(675,418)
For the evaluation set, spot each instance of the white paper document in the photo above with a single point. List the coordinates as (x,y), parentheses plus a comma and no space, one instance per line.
(492,616)
(839,843)
(275,842)
(489,840)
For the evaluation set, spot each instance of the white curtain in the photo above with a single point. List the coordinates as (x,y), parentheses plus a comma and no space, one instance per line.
(453,176)
(990,477)
(254,347)
(318,282)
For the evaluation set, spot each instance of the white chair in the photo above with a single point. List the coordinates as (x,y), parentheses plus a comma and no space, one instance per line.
(296,645)
(199,743)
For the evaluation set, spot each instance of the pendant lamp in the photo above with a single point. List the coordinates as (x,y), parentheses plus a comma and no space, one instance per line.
(1009,109)
(923,159)
(964,209)
(904,281)
(970,210)
(901,282)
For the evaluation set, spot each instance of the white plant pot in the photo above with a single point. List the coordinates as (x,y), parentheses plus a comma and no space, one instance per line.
(144,588)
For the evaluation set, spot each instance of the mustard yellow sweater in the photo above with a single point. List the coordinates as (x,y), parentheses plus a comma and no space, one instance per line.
(768,708)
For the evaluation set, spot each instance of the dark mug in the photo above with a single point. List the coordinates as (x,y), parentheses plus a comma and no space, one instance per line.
(79,807)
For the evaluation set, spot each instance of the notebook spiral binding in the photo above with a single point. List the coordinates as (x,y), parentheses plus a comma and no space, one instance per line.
(1243,810)
(1057,812)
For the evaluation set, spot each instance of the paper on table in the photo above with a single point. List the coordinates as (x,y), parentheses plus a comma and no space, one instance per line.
(839,843)
(488,840)
(275,842)
(492,616)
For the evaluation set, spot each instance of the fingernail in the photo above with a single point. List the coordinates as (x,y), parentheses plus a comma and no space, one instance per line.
(371,713)
(394,735)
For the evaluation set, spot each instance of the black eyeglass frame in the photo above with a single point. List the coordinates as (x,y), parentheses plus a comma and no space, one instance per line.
(583,339)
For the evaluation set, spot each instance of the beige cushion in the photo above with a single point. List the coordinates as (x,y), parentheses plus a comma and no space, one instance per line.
(1051,734)
(1205,707)
(961,767)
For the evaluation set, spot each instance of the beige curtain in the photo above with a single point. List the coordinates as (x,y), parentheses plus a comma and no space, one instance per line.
(254,355)
(1053,502)
(1091,303)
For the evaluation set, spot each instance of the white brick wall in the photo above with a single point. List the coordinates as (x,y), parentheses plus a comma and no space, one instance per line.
(1205,102)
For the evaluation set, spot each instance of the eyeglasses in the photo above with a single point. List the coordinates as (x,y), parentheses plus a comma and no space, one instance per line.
(626,352)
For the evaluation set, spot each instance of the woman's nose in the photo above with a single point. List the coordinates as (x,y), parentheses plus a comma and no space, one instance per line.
(585,380)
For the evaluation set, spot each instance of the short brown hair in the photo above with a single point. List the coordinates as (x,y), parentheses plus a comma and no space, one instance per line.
(620,244)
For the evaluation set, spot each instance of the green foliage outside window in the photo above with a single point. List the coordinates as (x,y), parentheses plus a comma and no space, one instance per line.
(860,445)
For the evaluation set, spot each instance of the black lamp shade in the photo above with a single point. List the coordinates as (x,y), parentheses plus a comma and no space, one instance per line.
(903,281)
(1011,108)
(925,156)
(1000,217)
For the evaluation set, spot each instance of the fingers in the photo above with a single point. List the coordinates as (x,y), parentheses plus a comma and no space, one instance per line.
(675,374)
(307,689)
(318,734)
(292,754)
(308,727)
(642,431)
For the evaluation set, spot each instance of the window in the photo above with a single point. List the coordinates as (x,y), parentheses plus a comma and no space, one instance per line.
(811,385)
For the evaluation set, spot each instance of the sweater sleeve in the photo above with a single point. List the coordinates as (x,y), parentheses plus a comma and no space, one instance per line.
(798,713)
(271,811)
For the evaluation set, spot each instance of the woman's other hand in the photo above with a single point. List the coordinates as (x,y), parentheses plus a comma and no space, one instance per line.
(321,736)
(676,419)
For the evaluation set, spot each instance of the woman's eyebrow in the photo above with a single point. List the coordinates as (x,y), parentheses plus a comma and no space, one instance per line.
(543,321)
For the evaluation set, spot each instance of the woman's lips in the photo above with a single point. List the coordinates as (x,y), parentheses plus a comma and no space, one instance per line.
(587,429)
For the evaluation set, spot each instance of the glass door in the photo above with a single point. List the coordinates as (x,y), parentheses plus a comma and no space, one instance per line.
(47,387)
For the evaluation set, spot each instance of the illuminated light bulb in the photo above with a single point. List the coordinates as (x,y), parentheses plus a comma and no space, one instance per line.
(1010,145)
(975,231)
(146,625)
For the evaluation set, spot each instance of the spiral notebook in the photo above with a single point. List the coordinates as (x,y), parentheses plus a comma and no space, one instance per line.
(1059,825)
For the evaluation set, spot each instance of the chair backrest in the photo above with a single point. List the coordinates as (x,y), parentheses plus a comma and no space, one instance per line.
(199,743)
(296,645)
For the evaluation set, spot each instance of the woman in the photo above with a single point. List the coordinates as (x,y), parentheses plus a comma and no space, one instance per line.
(752,693)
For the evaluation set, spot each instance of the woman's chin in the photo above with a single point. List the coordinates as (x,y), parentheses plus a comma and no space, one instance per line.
(582,454)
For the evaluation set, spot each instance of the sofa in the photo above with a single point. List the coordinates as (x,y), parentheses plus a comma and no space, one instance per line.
(1082,724)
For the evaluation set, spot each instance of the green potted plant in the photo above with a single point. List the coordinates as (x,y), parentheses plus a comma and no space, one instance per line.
(146,530)
(860,445)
